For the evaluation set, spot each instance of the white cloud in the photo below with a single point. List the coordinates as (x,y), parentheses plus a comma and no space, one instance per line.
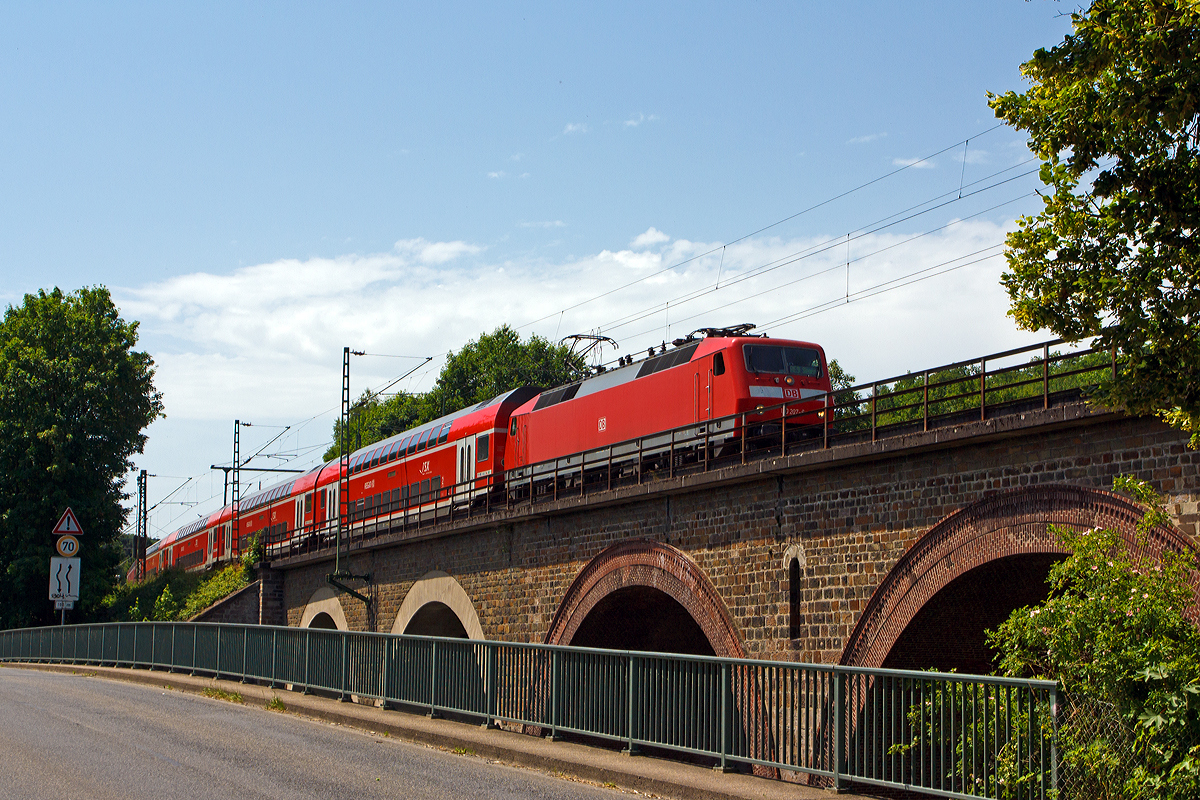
(436,252)
(516,156)
(915,163)
(871,137)
(575,127)
(652,236)
(633,122)
(499,174)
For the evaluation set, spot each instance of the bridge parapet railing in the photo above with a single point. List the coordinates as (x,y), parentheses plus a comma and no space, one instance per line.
(1010,382)
(947,735)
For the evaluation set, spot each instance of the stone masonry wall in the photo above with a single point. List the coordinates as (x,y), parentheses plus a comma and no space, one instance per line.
(854,520)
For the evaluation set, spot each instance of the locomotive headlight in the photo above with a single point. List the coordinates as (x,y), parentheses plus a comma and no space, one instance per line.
(789,380)
(758,409)
(821,414)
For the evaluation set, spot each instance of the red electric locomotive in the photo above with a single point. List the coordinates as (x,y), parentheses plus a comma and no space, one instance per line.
(718,384)
(704,382)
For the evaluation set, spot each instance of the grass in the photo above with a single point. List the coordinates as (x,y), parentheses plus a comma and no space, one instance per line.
(276,704)
(221,694)
(463,751)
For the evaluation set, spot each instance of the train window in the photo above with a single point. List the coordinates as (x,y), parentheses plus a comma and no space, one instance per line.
(411,445)
(778,360)
(512,431)
(414,491)
(445,434)
(404,495)
(392,450)
(424,490)
(423,440)
(481,448)
(719,364)
(308,503)
(435,486)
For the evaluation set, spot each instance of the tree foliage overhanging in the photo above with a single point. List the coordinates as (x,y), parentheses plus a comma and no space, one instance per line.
(74,399)
(1113,256)
(494,363)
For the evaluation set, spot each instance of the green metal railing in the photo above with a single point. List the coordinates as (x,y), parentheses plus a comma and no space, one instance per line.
(944,734)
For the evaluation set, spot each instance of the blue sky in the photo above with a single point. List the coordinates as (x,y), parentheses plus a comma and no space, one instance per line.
(261,185)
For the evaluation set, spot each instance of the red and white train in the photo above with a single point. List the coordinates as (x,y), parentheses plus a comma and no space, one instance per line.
(513,438)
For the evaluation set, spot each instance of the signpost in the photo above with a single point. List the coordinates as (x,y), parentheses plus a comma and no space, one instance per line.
(65,570)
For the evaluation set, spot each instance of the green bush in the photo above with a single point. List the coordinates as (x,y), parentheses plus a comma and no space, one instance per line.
(1115,633)
(173,594)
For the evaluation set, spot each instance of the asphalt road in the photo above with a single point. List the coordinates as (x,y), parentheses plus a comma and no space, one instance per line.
(67,737)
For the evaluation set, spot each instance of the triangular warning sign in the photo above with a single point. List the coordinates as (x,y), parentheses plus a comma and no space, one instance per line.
(67,524)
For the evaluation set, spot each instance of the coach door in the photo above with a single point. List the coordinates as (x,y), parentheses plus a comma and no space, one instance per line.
(466,468)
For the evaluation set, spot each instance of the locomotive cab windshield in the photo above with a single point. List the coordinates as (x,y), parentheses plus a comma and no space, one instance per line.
(776,359)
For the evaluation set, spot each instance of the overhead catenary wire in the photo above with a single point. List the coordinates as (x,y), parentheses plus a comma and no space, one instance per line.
(810,253)
(764,228)
(881,224)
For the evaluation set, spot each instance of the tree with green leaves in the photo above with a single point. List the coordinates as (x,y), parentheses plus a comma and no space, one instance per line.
(490,365)
(75,398)
(1113,257)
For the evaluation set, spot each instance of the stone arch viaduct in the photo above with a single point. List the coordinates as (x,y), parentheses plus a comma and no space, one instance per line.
(899,552)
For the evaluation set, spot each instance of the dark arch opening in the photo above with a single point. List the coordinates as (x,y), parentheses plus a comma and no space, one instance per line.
(436,619)
(948,632)
(323,621)
(642,618)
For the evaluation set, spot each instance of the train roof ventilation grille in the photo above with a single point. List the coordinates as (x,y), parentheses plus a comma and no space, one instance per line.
(680,355)
(556,396)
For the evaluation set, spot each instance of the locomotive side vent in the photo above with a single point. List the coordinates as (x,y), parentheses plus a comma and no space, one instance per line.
(680,355)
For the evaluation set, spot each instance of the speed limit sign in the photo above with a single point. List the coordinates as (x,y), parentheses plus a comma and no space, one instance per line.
(68,546)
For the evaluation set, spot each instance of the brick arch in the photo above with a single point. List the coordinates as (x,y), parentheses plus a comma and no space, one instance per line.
(1013,523)
(641,562)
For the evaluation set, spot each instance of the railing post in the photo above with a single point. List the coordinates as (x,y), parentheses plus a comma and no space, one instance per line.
(307,659)
(274,655)
(491,684)
(632,687)
(982,389)
(1046,376)
(171,668)
(245,651)
(133,664)
(218,652)
(1053,741)
(195,641)
(723,766)
(387,669)
(433,682)
(554,668)
(839,729)
(743,430)
(925,402)
(344,697)
(874,396)
(783,430)
(825,419)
